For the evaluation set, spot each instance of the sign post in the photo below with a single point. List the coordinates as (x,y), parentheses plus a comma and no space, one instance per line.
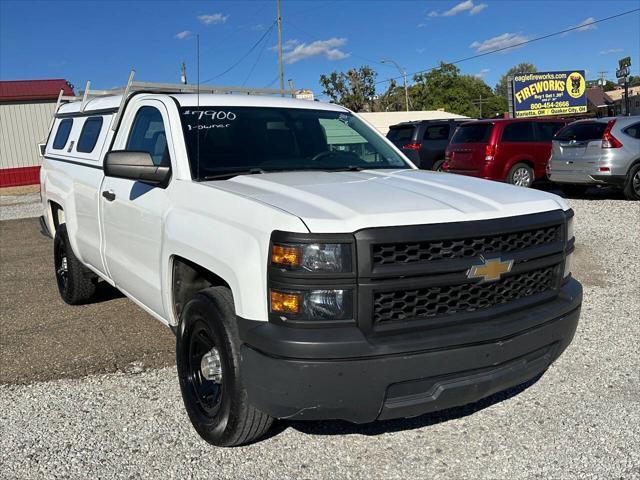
(623,75)
(548,93)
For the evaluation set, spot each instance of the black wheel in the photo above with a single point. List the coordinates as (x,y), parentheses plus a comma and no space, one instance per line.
(573,190)
(208,361)
(437,165)
(76,283)
(520,175)
(632,184)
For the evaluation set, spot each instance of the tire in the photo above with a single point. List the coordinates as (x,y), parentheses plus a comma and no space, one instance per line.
(217,404)
(632,184)
(76,284)
(437,165)
(520,175)
(573,190)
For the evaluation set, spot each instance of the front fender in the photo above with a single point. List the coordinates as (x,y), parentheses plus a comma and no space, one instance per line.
(230,240)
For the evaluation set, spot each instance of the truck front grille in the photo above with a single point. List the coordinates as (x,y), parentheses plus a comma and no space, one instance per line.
(428,251)
(439,301)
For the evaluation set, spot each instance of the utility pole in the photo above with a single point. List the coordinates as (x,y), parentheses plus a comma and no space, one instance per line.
(279,20)
(183,74)
(290,82)
(480,101)
(602,81)
(404,78)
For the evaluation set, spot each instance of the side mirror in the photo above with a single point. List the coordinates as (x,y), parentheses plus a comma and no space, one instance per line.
(136,166)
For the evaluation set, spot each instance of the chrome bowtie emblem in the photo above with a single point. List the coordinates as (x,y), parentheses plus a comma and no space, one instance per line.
(490,270)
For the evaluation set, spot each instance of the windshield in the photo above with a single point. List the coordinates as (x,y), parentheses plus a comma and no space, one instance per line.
(472,133)
(224,141)
(400,134)
(581,132)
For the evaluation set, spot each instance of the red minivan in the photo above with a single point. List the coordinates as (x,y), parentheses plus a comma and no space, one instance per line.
(513,150)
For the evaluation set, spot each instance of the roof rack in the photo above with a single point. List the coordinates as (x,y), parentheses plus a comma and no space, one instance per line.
(151,87)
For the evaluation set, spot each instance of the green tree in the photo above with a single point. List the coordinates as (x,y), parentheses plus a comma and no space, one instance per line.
(444,88)
(354,89)
(392,100)
(634,80)
(502,86)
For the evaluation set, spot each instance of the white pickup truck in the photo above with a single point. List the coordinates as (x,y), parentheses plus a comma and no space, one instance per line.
(307,268)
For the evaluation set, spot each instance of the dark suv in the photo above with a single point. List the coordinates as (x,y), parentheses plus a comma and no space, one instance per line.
(424,141)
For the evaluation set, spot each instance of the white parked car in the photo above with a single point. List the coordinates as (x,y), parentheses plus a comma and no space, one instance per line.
(307,268)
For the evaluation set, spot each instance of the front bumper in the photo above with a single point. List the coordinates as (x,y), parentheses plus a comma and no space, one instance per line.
(315,374)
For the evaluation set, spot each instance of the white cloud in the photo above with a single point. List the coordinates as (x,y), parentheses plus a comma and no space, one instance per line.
(584,25)
(478,8)
(287,45)
(460,7)
(503,41)
(611,50)
(482,73)
(213,18)
(325,48)
(421,50)
(290,44)
(465,6)
(182,35)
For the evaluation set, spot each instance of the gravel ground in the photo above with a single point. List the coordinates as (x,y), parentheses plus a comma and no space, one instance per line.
(580,420)
(20,206)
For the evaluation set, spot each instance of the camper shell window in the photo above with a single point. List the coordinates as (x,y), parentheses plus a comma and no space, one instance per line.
(62,135)
(89,135)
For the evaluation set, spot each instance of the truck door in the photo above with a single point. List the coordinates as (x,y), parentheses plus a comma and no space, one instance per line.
(132,212)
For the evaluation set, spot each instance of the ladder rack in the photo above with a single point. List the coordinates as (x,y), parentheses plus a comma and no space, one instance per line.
(151,87)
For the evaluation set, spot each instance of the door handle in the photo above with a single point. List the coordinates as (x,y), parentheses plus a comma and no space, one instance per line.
(109,195)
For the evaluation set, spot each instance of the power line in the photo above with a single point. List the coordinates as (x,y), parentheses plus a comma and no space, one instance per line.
(270,84)
(578,27)
(264,44)
(243,56)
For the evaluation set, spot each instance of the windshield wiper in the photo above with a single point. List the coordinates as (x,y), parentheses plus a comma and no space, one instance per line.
(218,176)
(255,171)
(350,168)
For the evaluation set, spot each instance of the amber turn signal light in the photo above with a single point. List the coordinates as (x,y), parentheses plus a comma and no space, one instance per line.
(286,255)
(282,302)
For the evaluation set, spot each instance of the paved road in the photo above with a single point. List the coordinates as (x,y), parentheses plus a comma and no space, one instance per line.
(43,338)
(580,420)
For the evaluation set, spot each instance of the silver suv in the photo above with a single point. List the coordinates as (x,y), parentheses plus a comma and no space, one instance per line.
(601,151)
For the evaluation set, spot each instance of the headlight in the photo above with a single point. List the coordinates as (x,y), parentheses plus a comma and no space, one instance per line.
(568,262)
(312,257)
(312,304)
(568,265)
(570,234)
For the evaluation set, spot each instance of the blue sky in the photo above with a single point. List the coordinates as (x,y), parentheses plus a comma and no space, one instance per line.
(100,41)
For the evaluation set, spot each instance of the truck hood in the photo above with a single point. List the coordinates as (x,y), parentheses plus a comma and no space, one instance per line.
(340,202)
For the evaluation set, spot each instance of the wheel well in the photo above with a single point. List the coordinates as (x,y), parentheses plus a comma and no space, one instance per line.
(188,279)
(526,161)
(57,214)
